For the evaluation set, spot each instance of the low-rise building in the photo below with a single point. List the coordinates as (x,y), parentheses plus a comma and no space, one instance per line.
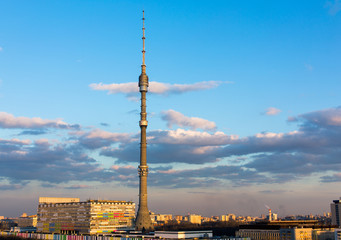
(27,221)
(296,233)
(184,234)
(161,219)
(7,224)
(259,234)
(286,230)
(323,234)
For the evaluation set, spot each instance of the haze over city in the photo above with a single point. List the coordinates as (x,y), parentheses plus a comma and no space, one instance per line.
(243,104)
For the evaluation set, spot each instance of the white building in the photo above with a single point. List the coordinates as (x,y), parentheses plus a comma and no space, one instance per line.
(184,234)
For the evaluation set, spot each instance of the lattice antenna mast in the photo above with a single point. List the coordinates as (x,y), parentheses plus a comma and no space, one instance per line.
(143,49)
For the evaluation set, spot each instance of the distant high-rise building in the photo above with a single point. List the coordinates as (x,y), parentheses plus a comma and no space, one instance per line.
(178,218)
(194,218)
(335,208)
(227,217)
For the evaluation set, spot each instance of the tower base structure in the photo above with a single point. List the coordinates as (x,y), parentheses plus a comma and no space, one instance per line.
(143,221)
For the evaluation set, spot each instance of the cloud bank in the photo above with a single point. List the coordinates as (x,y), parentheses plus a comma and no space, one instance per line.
(8,120)
(175,118)
(212,158)
(158,88)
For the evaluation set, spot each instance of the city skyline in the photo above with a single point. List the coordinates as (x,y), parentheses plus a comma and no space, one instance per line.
(243,104)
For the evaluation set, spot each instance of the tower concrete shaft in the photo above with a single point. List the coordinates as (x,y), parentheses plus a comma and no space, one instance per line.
(143,221)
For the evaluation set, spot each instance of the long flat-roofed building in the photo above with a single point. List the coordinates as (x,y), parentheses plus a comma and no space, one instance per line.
(89,217)
(57,200)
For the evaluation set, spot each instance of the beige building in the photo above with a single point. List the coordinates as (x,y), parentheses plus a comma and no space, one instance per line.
(296,233)
(227,217)
(178,218)
(162,218)
(90,217)
(193,218)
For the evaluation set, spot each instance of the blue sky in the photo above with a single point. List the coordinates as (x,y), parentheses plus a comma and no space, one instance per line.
(243,108)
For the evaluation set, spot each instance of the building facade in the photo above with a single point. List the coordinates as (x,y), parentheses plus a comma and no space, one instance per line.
(259,234)
(29,221)
(227,217)
(337,234)
(296,233)
(194,218)
(90,217)
(335,208)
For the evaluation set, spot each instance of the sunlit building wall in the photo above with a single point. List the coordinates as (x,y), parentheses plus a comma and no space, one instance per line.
(91,217)
(227,217)
(296,233)
(193,218)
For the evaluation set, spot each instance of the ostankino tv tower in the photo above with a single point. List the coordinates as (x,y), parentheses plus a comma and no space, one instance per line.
(143,222)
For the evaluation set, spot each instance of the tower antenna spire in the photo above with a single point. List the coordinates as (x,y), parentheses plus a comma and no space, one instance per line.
(143,49)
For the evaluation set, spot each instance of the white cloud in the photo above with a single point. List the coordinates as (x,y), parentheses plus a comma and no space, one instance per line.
(308,67)
(15,141)
(334,7)
(98,133)
(116,87)
(154,87)
(9,121)
(98,138)
(173,117)
(117,167)
(190,137)
(326,117)
(78,186)
(1,49)
(272,111)
(166,88)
